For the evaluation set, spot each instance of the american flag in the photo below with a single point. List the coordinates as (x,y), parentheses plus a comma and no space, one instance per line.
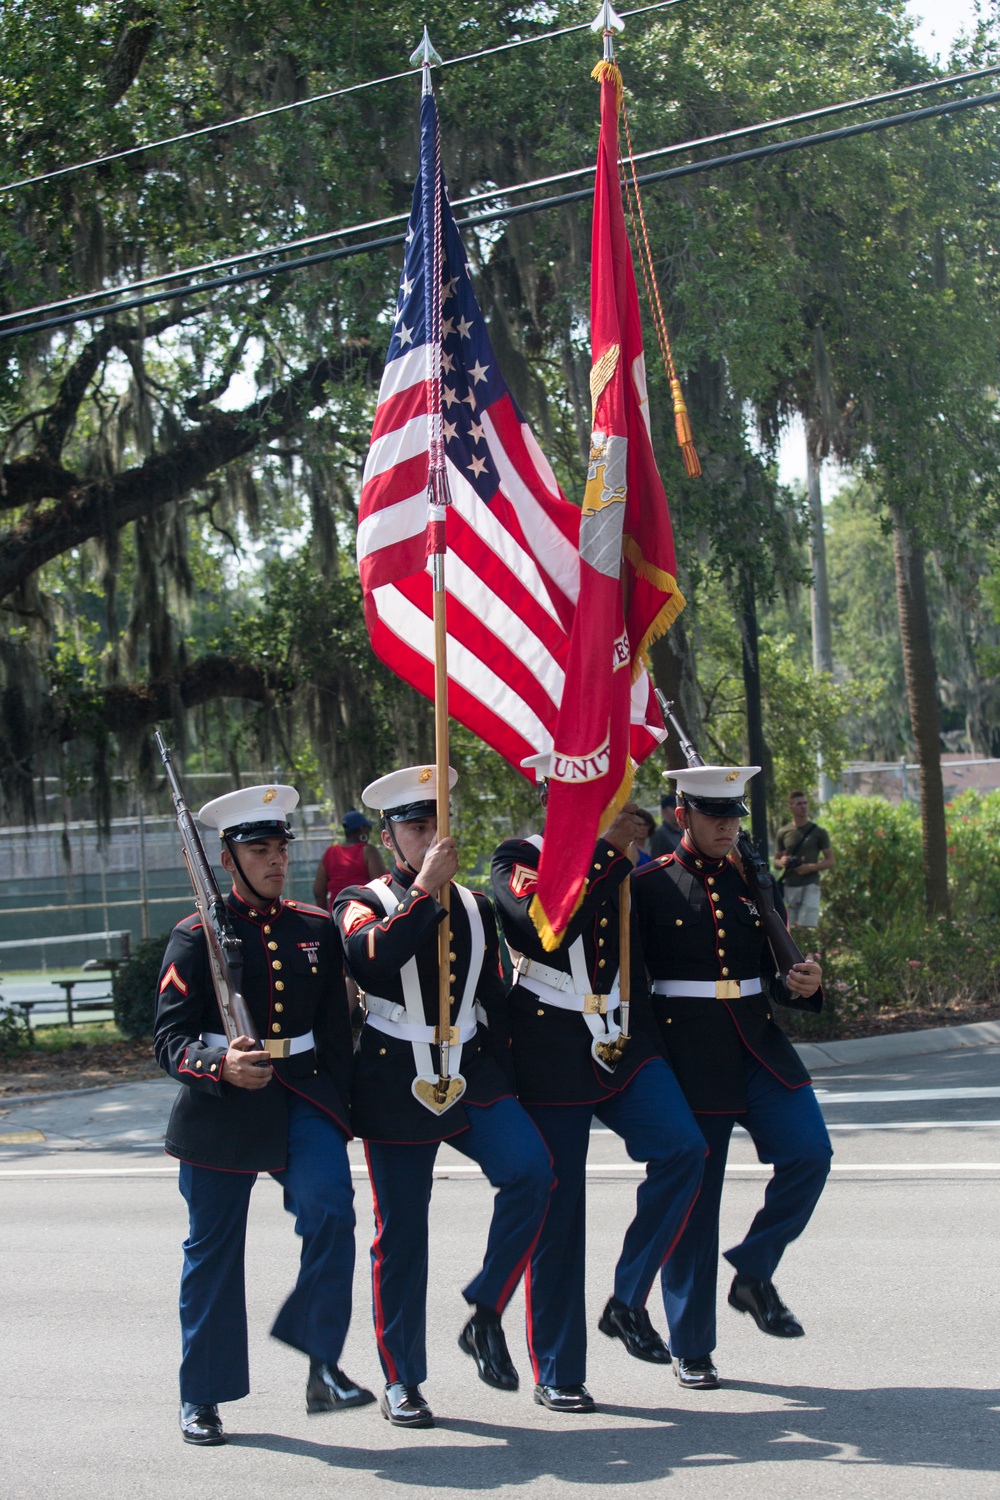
(513,565)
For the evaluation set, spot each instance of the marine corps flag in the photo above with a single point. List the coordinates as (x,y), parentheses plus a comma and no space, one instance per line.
(627,583)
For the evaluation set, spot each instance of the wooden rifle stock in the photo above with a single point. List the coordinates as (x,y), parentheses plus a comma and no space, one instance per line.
(225,951)
(784,948)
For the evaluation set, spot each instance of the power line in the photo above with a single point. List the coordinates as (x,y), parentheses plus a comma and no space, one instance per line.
(539,205)
(231,261)
(131,152)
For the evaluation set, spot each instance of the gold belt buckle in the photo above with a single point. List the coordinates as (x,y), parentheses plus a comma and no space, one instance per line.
(452,1036)
(595,1005)
(276,1047)
(727,989)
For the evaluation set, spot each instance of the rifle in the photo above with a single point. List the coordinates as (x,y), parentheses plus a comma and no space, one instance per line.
(225,951)
(784,950)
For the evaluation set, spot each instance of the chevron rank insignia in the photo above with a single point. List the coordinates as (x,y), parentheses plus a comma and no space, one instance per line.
(522,880)
(356,914)
(171,977)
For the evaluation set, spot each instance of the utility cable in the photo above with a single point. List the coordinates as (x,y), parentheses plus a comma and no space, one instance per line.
(822,111)
(538,205)
(130,152)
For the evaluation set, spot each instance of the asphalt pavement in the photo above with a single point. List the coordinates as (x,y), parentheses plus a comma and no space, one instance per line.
(894,1392)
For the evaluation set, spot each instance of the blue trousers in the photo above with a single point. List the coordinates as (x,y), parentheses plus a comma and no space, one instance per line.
(653,1119)
(787,1128)
(317,1190)
(512,1154)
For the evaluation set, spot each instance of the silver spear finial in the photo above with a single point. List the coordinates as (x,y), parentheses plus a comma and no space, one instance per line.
(425,53)
(609,21)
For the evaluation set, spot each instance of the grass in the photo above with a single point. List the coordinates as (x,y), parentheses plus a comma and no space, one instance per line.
(70,1038)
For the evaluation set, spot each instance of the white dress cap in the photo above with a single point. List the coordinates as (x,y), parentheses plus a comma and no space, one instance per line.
(268,806)
(713,783)
(413,784)
(541,764)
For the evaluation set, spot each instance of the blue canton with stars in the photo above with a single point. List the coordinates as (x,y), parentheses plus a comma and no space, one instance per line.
(471,378)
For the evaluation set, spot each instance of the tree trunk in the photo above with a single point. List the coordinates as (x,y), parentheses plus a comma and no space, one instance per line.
(822,635)
(925,718)
(670,657)
(755,714)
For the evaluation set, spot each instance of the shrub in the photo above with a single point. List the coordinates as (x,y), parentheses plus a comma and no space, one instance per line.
(13,1034)
(133,988)
(974,854)
(879,870)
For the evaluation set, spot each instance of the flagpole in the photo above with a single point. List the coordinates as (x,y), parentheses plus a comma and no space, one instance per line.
(437,488)
(608,22)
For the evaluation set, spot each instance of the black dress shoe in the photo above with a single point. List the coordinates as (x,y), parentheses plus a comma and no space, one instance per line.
(697,1374)
(760,1299)
(201,1424)
(329,1389)
(483,1338)
(404,1406)
(564,1397)
(632,1326)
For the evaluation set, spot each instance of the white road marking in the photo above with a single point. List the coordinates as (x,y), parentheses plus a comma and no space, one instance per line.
(906,1096)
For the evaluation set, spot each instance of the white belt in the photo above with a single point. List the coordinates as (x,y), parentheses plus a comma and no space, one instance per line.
(388,1016)
(557,988)
(707,989)
(293,1044)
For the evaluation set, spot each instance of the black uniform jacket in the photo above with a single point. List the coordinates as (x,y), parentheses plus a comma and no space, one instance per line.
(377,946)
(293,982)
(697,921)
(553,1062)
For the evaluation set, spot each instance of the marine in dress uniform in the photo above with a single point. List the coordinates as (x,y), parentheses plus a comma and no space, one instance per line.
(714,985)
(240,1112)
(562,1006)
(390,933)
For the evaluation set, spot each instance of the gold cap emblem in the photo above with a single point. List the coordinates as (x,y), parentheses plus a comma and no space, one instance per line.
(269,795)
(733,776)
(425,775)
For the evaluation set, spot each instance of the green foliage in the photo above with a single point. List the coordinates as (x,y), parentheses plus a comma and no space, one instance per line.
(13,1034)
(974,855)
(877,849)
(133,987)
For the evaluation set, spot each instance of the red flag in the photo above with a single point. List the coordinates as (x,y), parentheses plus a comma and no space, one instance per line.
(512,573)
(627,564)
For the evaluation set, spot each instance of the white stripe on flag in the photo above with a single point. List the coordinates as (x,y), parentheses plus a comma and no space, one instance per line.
(498,538)
(416,630)
(395,523)
(396,447)
(562,559)
(402,373)
(506,624)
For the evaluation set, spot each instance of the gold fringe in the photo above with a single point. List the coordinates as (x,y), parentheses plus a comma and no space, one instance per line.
(550,939)
(610,70)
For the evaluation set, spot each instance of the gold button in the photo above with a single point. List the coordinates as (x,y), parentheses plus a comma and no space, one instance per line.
(604,921)
(452,957)
(451,979)
(541,1012)
(276,1026)
(315,1072)
(725,973)
(596,865)
(722,952)
(276,963)
(198,1063)
(678,922)
(711,880)
(756,924)
(381,1052)
(215,1065)
(600,942)
(720,915)
(273,947)
(768,1016)
(266,931)
(601,963)
(315,968)
(722,932)
(279,984)
(716,896)
(670,1020)
(278,1006)
(399,907)
(698,863)
(253,913)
